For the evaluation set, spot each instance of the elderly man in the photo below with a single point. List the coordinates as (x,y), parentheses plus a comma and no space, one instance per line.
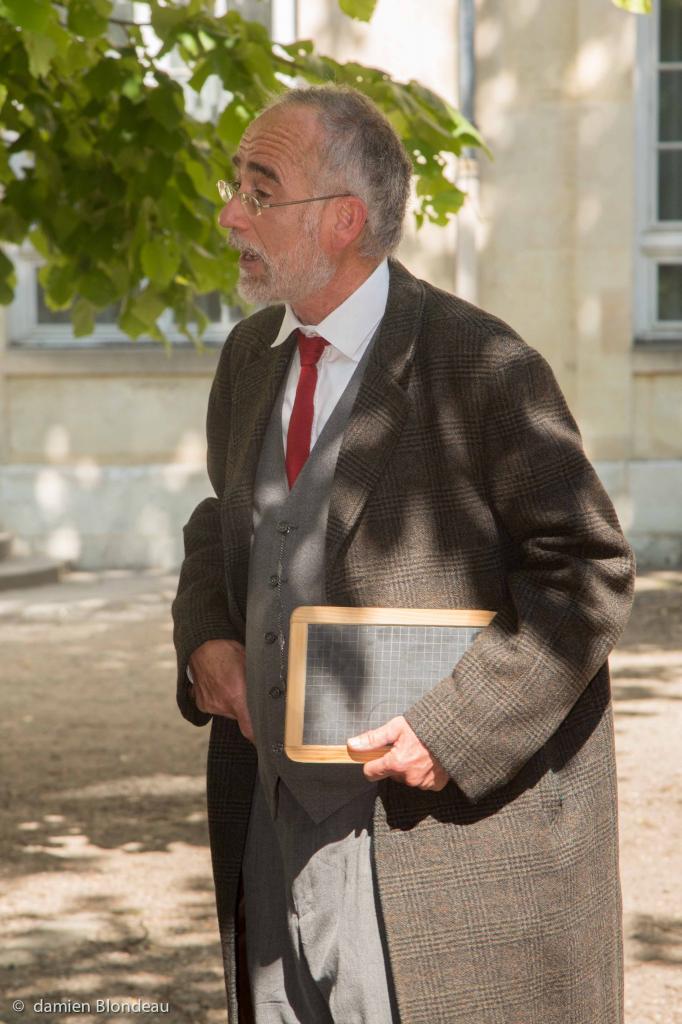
(373,440)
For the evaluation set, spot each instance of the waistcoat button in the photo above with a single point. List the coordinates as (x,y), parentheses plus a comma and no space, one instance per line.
(283,527)
(275,692)
(270,638)
(274,581)
(277,748)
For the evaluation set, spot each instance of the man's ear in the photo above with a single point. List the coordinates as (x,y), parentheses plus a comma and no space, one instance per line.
(350,217)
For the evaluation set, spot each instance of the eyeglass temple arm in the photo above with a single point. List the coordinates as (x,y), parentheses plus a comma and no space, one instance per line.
(296,202)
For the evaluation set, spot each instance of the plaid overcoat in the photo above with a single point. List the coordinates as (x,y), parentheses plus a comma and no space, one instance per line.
(461,483)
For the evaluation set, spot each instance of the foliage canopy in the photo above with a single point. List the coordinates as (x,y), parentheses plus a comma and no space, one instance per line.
(111,179)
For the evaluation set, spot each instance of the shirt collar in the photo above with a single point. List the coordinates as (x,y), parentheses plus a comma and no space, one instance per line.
(348,325)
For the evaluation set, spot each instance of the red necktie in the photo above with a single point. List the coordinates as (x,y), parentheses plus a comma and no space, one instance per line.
(301,423)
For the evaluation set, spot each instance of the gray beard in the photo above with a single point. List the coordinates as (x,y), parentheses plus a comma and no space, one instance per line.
(291,277)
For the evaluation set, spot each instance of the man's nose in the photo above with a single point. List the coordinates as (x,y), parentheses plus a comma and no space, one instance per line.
(233,214)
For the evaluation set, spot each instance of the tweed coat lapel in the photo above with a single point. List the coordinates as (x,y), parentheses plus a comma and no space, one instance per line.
(379,412)
(255,391)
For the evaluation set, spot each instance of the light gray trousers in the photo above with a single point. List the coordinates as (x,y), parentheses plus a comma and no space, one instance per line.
(315,952)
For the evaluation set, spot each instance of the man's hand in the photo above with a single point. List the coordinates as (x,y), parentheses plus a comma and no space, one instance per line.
(219,688)
(408,760)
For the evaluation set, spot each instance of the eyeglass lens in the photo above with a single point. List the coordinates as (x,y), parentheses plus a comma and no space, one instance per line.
(227,191)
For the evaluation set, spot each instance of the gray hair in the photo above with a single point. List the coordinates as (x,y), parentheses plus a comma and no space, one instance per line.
(360,153)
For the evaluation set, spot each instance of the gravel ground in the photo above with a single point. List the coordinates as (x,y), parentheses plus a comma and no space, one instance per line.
(105,884)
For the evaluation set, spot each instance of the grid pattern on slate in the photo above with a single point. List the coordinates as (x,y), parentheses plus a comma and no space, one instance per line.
(359,676)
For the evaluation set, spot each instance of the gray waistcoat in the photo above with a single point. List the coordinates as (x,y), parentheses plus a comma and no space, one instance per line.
(286,569)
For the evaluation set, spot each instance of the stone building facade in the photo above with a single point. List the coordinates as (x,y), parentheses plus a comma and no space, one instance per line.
(573,234)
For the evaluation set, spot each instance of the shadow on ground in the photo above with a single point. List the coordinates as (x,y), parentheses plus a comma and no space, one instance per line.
(56,962)
(657,938)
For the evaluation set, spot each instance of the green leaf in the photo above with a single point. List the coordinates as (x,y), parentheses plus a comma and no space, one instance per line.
(13,226)
(158,335)
(83,318)
(33,15)
(167,19)
(96,287)
(161,260)
(211,272)
(120,276)
(84,19)
(58,285)
(433,183)
(204,184)
(147,306)
(318,69)
(362,75)
(41,52)
(189,43)
(132,87)
(362,10)
(259,62)
(184,219)
(203,69)
(74,58)
(299,49)
(104,77)
(39,242)
(102,239)
(7,279)
(159,138)
(165,104)
(232,122)
(634,6)
(439,208)
(130,324)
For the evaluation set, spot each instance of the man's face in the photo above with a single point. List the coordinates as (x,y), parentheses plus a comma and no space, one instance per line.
(281,255)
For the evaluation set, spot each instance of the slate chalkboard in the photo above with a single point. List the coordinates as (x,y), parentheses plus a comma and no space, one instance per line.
(352,669)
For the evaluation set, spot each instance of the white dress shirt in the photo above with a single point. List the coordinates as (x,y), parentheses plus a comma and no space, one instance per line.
(348,329)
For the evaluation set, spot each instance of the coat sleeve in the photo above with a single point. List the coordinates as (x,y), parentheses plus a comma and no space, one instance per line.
(200,609)
(568,593)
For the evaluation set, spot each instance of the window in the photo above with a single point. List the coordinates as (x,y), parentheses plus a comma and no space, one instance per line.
(30,321)
(658,265)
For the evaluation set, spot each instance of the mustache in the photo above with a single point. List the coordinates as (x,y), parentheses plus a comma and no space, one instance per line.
(241,246)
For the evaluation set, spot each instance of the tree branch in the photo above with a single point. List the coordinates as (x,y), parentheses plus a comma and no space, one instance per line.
(117,21)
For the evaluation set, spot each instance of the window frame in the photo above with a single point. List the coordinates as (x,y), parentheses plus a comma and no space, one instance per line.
(24,330)
(657,242)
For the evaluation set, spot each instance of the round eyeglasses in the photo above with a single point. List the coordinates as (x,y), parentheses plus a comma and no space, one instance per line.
(227,190)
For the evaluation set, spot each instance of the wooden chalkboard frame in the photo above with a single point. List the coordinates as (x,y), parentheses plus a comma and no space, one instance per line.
(306,615)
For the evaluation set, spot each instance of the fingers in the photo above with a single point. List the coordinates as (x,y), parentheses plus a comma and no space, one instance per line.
(381,737)
(246,726)
(215,698)
(408,761)
(219,678)
(417,778)
(393,766)
(381,768)
(238,713)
